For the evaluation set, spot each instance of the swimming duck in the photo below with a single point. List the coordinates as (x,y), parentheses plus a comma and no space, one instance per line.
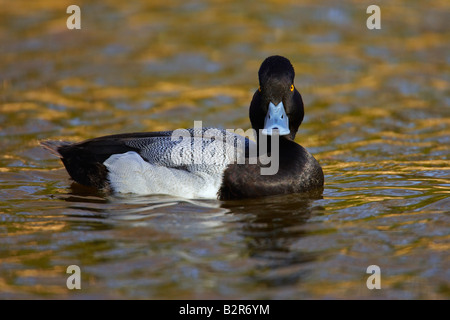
(207,162)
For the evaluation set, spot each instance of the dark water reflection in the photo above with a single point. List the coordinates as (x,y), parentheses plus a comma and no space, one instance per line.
(270,227)
(251,243)
(377,118)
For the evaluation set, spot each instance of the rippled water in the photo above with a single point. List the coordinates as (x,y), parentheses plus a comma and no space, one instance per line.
(377,119)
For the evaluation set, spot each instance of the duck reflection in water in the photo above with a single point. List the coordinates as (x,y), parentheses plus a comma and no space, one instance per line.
(271,227)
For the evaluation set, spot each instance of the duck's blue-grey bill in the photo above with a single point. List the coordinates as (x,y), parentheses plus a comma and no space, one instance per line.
(276,118)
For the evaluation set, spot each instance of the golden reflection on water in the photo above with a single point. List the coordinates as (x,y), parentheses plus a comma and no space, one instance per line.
(377,118)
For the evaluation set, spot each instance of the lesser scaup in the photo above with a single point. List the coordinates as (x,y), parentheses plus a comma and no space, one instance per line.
(156,162)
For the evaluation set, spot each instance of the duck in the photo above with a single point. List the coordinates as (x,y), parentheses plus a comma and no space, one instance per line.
(208,163)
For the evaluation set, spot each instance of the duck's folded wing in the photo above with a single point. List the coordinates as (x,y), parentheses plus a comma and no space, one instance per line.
(195,150)
(84,160)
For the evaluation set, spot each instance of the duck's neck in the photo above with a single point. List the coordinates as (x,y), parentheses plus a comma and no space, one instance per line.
(267,144)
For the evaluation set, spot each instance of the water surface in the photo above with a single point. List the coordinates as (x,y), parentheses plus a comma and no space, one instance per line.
(377,118)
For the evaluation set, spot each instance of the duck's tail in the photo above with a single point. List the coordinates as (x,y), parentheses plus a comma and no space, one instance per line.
(54,146)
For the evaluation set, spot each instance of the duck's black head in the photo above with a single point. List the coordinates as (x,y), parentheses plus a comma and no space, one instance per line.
(277,104)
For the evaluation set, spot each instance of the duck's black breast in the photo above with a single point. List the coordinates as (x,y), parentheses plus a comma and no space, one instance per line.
(298,172)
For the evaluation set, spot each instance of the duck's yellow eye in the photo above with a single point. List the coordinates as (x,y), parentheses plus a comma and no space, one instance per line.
(292,87)
(259,88)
